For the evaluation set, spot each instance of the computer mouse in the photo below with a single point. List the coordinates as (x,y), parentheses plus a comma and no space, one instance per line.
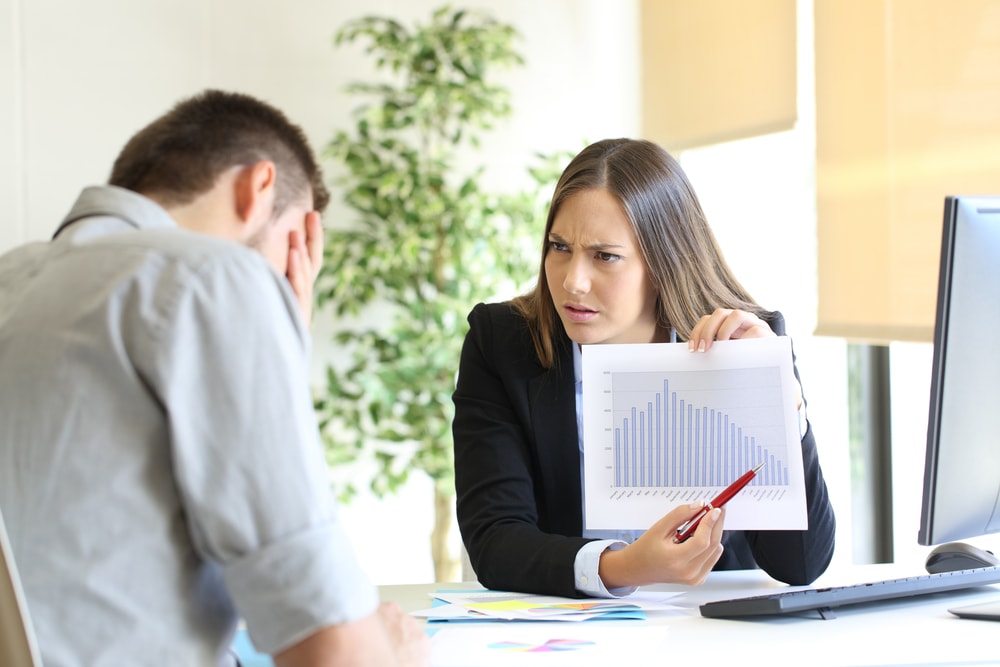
(954,556)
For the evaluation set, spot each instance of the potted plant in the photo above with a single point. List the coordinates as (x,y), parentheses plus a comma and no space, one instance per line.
(427,244)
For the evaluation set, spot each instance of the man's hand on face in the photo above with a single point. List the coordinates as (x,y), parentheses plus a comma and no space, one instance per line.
(305,257)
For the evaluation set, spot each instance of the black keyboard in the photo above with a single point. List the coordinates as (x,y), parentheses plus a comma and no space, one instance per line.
(823,600)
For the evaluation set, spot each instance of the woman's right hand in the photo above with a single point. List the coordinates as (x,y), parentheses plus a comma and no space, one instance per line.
(655,557)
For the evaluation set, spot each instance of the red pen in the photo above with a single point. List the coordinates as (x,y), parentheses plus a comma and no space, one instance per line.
(686,529)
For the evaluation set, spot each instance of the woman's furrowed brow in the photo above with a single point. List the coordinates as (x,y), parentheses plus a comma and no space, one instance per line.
(597,246)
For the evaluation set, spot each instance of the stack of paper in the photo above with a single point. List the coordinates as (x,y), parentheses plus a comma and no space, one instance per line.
(505,606)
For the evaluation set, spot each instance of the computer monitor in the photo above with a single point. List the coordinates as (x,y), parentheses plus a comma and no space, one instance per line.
(961,492)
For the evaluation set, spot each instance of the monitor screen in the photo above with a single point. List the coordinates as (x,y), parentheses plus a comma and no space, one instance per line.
(961,492)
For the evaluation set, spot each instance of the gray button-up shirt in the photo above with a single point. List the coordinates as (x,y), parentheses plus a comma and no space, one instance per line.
(160,466)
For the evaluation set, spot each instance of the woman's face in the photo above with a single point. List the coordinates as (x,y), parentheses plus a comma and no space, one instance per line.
(596,274)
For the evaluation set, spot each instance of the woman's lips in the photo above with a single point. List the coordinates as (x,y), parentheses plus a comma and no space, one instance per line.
(578,313)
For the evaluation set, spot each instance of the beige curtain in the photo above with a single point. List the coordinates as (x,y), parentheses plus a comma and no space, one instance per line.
(907,112)
(716,70)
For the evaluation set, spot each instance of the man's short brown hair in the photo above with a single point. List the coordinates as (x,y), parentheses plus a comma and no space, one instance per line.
(181,154)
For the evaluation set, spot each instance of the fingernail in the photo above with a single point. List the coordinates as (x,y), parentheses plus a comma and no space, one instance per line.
(701,346)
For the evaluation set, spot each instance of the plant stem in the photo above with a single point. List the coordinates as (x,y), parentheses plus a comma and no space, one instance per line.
(447,565)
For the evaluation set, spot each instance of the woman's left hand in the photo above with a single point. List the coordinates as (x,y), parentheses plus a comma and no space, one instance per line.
(729,324)
(726,324)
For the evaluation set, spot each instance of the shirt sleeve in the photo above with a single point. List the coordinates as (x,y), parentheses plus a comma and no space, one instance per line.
(232,373)
(585,568)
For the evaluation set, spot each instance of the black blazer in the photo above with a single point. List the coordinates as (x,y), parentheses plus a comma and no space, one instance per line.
(517,470)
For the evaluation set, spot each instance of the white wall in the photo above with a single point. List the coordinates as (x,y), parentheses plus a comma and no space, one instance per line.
(78,78)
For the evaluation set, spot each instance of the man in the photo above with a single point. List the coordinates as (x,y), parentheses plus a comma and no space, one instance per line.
(161,472)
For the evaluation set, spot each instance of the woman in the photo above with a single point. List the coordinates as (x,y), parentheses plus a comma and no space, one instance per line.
(627,258)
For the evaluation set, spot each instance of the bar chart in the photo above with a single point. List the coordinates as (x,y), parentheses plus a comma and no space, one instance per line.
(696,429)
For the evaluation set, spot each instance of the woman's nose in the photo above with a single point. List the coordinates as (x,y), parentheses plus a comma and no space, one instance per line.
(577,280)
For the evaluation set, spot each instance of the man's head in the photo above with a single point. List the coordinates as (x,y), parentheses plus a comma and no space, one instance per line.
(182,154)
(228,165)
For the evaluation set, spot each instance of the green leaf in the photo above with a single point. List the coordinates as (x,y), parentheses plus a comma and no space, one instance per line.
(426,243)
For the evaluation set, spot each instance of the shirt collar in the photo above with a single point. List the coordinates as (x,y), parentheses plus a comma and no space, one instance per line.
(577,362)
(125,206)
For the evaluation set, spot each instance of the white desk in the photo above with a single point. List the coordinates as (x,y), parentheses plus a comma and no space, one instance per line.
(911,631)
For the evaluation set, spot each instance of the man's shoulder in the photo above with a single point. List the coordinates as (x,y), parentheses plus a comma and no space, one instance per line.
(232,280)
(174,260)
(108,222)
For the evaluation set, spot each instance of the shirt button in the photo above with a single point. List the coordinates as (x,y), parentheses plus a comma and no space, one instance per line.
(583,581)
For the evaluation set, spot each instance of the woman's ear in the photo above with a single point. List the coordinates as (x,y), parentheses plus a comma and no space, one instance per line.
(254,192)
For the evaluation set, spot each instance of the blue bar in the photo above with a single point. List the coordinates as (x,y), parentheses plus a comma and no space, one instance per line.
(642,449)
(650,449)
(690,437)
(666,437)
(625,478)
(635,476)
(727,448)
(682,431)
(618,457)
(708,447)
(659,440)
(713,469)
(673,438)
(741,450)
(698,436)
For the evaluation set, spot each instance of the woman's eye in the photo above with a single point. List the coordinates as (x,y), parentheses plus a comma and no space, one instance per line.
(608,257)
(558,246)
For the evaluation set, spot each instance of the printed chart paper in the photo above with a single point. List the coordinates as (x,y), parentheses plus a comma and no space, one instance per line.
(664,426)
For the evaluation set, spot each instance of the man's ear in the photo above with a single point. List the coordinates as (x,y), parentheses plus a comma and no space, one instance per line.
(254,191)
